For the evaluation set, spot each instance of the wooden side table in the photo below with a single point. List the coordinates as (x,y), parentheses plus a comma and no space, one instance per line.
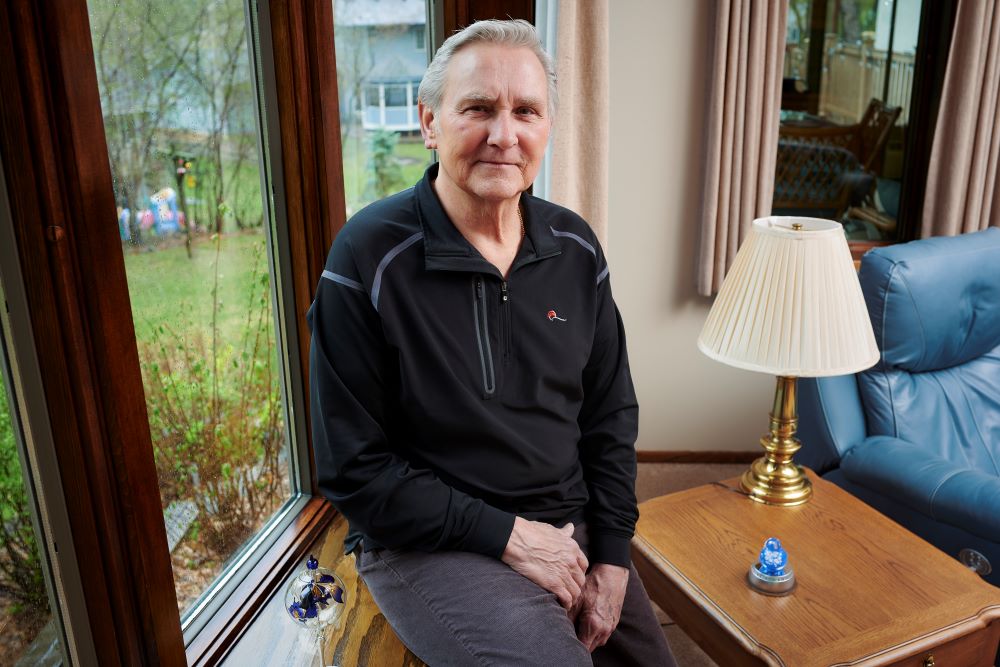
(869,591)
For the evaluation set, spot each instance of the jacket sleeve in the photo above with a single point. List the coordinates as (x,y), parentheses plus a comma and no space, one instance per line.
(609,426)
(359,469)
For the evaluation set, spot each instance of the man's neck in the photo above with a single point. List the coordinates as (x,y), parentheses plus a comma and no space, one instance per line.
(494,229)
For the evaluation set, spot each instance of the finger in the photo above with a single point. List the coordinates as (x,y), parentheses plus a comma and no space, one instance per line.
(582,561)
(574,590)
(567,529)
(600,638)
(565,600)
(574,611)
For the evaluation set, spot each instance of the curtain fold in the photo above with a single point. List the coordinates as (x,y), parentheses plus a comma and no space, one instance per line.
(742,129)
(579,172)
(963,186)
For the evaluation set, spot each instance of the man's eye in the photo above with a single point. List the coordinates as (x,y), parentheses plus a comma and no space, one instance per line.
(527,111)
(477,108)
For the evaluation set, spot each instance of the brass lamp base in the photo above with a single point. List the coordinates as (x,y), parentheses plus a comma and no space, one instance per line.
(786,486)
(774,479)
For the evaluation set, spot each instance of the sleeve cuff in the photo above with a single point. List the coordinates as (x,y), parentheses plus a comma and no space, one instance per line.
(492,532)
(609,549)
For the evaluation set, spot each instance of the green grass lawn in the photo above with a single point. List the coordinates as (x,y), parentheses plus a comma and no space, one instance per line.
(167,288)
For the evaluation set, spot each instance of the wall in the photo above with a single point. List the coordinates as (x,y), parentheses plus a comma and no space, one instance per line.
(658,53)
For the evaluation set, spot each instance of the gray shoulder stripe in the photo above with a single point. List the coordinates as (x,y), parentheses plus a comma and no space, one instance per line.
(389,256)
(343,280)
(603,274)
(578,239)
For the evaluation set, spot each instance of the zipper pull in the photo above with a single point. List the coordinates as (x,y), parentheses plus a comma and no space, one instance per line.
(479,287)
(503,288)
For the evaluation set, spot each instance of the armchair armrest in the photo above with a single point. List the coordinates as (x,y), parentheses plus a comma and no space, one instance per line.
(940,489)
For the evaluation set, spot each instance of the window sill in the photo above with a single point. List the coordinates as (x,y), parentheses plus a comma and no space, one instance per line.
(361,636)
(266,578)
(859,248)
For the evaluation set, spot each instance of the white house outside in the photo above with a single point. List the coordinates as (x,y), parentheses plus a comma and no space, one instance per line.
(387,43)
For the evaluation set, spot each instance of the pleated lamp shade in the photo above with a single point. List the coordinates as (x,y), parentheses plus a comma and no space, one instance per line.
(791,304)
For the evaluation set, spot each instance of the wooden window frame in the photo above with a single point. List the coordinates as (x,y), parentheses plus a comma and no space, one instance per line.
(61,197)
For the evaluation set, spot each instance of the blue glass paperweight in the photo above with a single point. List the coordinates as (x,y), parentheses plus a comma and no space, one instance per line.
(773,558)
(314,599)
(771,574)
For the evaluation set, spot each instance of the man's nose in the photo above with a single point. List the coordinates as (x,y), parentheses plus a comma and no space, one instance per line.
(503,134)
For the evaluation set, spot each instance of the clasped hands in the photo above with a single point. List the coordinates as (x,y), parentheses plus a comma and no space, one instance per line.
(551,558)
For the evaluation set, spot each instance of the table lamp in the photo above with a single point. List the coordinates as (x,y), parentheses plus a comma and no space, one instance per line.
(790,306)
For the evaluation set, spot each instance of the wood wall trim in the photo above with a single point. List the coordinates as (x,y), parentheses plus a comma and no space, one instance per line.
(61,196)
(461,13)
(653,456)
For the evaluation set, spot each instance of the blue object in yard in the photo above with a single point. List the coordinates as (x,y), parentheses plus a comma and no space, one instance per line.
(163,205)
(124,218)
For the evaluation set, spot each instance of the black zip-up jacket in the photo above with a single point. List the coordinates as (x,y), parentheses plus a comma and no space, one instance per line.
(446,400)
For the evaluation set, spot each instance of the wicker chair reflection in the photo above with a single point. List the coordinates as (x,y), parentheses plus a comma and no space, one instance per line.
(825,170)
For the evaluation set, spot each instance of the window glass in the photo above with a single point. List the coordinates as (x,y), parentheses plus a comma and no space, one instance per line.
(180,112)
(378,73)
(29,632)
(845,112)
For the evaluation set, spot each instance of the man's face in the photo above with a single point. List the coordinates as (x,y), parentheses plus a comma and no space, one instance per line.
(493,124)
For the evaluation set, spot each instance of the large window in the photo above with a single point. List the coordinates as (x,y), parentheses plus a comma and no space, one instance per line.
(848,111)
(180,117)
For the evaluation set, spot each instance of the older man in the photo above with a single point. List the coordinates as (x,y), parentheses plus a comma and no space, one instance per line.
(473,411)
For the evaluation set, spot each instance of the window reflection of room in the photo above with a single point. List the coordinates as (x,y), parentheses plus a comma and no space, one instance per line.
(846,103)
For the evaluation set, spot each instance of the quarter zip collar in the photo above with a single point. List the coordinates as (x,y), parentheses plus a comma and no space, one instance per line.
(445,249)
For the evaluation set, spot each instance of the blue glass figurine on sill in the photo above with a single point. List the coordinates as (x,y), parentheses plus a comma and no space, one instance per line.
(771,575)
(315,599)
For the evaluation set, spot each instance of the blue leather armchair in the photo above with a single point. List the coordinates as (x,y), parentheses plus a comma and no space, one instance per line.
(918,435)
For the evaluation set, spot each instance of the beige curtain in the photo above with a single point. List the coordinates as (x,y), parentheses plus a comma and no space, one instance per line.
(963,186)
(579,172)
(742,129)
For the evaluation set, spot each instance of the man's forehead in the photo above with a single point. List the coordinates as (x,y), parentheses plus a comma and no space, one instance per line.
(485,72)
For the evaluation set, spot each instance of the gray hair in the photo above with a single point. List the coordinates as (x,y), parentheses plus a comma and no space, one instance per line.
(513,33)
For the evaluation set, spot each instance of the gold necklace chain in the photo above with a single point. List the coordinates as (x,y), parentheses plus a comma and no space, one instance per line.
(518,209)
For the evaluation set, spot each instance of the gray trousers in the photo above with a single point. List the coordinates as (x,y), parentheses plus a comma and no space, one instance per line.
(461,608)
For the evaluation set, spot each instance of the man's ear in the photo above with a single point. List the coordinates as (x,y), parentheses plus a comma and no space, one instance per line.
(427,125)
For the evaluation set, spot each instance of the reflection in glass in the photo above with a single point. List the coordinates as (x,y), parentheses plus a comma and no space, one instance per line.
(846,100)
(381,58)
(179,111)
(28,631)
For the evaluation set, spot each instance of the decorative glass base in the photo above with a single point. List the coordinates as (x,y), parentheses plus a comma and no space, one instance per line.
(768,584)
